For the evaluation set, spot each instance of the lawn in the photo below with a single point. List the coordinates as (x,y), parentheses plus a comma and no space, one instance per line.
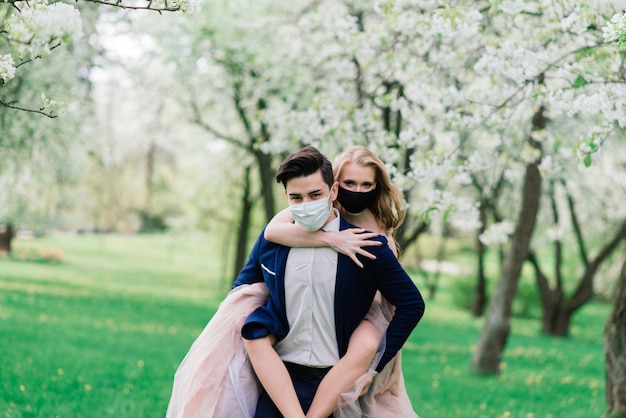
(101,333)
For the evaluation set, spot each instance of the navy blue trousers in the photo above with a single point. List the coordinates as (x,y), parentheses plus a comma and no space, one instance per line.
(305,386)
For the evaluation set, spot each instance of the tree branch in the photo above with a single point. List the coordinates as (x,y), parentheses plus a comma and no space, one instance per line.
(542,281)
(121,5)
(558,250)
(585,287)
(610,246)
(40,111)
(36,57)
(197,118)
(577,230)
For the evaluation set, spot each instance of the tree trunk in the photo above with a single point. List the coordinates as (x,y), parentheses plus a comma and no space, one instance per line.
(480,293)
(6,238)
(559,323)
(558,310)
(615,352)
(496,328)
(241,250)
(441,252)
(267,173)
(564,308)
(495,331)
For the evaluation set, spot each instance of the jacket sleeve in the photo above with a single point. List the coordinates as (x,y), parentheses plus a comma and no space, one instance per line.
(398,288)
(266,319)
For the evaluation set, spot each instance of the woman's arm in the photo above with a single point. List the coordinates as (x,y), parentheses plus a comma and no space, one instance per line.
(282,230)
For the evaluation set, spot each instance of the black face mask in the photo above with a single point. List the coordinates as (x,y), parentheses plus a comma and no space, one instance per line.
(355,202)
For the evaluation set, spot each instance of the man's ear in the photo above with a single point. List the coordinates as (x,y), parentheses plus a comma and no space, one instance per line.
(334,190)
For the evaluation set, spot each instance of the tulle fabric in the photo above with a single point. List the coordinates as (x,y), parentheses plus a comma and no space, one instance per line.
(215,379)
(375,404)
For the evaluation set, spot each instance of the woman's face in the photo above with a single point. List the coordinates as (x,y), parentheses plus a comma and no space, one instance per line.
(357,178)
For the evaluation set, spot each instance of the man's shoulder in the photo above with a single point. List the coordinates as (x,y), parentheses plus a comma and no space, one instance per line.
(263,244)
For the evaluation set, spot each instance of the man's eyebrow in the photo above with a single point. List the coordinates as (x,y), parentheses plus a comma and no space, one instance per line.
(312,192)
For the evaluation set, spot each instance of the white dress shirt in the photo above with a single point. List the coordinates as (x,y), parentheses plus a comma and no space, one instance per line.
(310,276)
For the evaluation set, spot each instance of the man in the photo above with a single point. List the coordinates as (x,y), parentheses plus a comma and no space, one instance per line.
(317,296)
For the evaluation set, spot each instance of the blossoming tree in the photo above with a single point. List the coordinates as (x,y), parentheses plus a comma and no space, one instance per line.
(614,344)
(482,110)
(30,31)
(457,94)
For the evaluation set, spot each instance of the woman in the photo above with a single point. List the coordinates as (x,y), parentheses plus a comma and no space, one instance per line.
(367,199)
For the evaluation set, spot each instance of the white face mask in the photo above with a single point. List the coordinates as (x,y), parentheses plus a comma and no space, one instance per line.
(311,215)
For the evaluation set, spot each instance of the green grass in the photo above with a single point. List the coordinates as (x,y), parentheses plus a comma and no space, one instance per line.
(100,334)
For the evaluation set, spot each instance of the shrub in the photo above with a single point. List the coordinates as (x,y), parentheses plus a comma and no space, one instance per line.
(38,255)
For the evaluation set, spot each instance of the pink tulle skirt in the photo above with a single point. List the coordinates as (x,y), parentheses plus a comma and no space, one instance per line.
(216,380)
(375,404)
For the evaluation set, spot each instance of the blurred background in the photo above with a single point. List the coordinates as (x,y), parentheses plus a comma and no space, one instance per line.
(139,142)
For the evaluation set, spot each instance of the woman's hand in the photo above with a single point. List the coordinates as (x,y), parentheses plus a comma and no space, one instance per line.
(351,242)
(393,382)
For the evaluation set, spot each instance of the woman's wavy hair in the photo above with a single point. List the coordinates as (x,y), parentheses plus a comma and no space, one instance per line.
(389,208)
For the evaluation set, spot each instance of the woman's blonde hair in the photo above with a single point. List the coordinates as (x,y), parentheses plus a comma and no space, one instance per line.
(389,208)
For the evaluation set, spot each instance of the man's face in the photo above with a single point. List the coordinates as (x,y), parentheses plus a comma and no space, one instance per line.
(307,189)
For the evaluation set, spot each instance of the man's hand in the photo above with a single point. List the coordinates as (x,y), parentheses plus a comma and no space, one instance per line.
(351,241)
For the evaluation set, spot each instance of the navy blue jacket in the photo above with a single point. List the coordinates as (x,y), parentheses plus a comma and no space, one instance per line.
(354,292)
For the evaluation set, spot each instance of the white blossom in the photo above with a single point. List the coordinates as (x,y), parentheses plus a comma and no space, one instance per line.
(621,181)
(431,170)
(40,26)
(408,137)
(615,29)
(555,233)
(478,161)
(513,7)
(497,233)
(7,68)
(465,216)
(575,22)
(188,7)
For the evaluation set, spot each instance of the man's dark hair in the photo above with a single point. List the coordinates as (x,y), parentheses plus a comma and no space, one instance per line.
(303,163)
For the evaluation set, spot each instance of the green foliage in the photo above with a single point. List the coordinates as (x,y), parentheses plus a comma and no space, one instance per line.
(49,106)
(579,82)
(526,303)
(462,292)
(101,335)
